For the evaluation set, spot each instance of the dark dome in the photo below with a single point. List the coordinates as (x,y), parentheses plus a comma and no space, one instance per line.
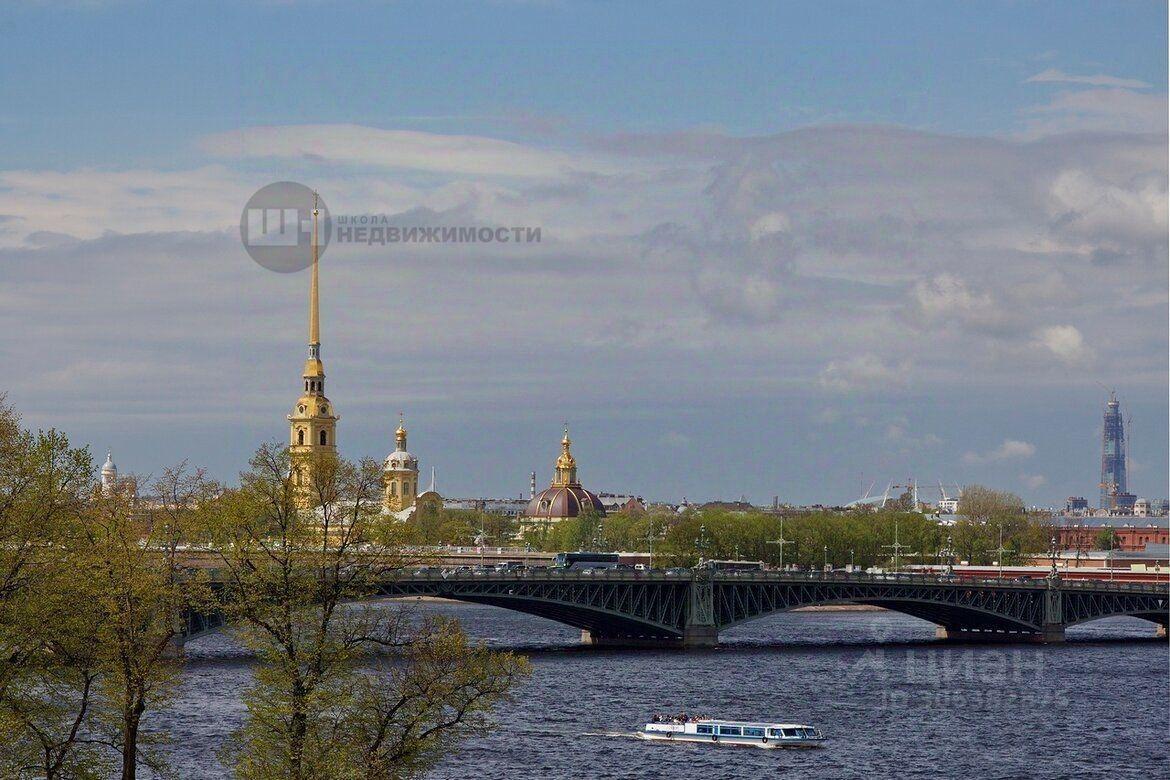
(555,503)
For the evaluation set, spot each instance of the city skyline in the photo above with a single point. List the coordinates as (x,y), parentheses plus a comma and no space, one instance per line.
(843,275)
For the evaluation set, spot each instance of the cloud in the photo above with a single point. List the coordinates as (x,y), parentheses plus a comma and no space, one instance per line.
(1034,481)
(1011,449)
(1065,342)
(900,435)
(863,372)
(1098,110)
(1056,76)
(702,266)
(359,145)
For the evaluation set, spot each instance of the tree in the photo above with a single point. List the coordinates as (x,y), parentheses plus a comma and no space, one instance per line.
(319,708)
(982,504)
(132,554)
(50,660)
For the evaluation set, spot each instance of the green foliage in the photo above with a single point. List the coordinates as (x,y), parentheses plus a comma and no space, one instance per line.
(343,689)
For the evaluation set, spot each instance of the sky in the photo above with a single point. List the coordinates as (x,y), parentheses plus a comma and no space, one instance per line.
(788,249)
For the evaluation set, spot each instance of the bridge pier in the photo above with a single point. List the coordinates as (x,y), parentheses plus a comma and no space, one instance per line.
(1048,635)
(693,636)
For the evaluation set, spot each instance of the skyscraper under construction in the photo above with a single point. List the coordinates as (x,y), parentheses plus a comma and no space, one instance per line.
(1113,456)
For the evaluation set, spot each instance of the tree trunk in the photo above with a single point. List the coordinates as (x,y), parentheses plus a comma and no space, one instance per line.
(130,721)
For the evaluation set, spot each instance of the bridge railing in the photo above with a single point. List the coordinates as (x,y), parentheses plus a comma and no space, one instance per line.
(593,575)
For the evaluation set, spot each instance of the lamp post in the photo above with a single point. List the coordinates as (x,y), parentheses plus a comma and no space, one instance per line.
(1052,553)
(851,566)
(826,567)
(999,551)
(897,548)
(780,543)
(650,539)
(950,556)
(701,543)
(1110,558)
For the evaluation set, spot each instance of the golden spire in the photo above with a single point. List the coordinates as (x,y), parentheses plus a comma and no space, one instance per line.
(314,369)
(400,434)
(566,469)
(314,316)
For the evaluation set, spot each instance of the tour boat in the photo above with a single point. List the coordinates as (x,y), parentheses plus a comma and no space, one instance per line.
(732,732)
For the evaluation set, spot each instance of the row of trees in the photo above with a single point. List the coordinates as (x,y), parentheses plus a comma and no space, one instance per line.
(863,538)
(92,585)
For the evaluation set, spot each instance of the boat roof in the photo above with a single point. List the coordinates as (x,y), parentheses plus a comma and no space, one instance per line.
(761,724)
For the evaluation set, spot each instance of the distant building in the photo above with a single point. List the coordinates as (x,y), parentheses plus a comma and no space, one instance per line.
(1076,504)
(564,498)
(1113,476)
(508,507)
(399,474)
(621,502)
(112,484)
(1131,538)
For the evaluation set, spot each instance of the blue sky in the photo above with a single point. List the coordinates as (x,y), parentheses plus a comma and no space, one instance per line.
(791,248)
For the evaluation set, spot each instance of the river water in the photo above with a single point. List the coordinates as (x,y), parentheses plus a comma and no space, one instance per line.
(892,700)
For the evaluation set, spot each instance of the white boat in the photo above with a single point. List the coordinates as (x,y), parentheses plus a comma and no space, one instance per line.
(732,732)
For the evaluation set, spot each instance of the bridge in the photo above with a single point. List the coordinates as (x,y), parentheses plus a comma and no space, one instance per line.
(618,607)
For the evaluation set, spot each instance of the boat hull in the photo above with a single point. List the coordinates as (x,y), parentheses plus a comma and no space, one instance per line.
(767,744)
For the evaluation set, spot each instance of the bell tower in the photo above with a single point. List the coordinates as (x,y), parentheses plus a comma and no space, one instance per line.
(313,421)
(399,474)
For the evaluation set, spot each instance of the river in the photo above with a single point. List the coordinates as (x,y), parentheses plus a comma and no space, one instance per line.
(893,701)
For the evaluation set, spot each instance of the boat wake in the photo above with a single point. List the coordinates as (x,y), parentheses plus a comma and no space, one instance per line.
(612,734)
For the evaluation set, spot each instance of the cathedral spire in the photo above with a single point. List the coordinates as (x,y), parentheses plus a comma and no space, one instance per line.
(313,421)
(314,306)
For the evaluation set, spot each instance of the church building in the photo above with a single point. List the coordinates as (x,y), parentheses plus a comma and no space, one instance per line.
(564,498)
(313,421)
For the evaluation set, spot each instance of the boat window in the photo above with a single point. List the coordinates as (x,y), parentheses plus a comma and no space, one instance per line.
(791,732)
(703,729)
(774,733)
(810,733)
(752,731)
(731,731)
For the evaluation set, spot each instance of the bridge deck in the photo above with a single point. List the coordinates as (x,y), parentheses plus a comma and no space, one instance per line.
(659,607)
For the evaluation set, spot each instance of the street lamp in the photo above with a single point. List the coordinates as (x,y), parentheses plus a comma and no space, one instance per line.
(780,543)
(826,567)
(851,566)
(1110,558)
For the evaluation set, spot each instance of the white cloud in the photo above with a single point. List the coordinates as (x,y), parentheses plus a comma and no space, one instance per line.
(1034,481)
(407,149)
(1011,449)
(864,372)
(1065,342)
(907,440)
(1057,76)
(1098,110)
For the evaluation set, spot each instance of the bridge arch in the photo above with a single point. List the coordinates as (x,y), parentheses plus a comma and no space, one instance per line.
(942,615)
